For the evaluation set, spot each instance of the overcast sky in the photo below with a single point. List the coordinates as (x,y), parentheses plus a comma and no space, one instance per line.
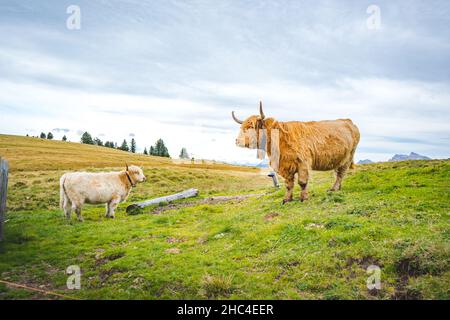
(176,69)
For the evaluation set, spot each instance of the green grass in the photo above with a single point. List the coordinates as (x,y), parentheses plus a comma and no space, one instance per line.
(394,215)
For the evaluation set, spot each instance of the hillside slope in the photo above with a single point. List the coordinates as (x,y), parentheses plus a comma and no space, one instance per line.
(392,215)
(27,153)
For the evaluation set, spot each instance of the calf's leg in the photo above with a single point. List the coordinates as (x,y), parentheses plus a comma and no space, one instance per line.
(77,208)
(108,209)
(67,207)
(112,207)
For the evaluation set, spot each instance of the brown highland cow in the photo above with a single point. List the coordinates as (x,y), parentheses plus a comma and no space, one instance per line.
(296,147)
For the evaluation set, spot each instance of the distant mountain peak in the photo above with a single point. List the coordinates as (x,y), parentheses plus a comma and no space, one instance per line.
(365,161)
(411,156)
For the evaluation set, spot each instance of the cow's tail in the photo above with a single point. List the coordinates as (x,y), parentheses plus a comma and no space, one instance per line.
(62,191)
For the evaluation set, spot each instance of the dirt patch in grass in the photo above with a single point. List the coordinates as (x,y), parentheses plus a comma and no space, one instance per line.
(103,260)
(271,216)
(286,267)
(418,258)
(402,290)
(409,267)
(104,275)
(173,251)
(363,262)
(174,240)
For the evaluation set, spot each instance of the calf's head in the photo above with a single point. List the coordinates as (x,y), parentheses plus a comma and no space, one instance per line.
(136,174)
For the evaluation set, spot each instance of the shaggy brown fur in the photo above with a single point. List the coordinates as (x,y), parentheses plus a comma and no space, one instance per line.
(304,146)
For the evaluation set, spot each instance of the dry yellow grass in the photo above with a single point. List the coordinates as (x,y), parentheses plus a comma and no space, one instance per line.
(33,154)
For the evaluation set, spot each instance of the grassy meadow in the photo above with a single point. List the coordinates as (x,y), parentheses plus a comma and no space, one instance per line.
(392,215)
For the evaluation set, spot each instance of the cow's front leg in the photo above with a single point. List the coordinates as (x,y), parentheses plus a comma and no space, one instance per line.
(303,177)
(289,189)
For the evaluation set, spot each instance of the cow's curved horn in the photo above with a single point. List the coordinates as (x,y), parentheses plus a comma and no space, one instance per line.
(261,110)
(236,119)
(126,164)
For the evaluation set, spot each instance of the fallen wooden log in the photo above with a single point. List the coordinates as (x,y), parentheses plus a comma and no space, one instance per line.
(208,201)
(136,207)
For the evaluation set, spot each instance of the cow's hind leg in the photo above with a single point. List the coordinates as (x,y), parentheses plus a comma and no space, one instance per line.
(340,173)
(303,177)
(289,189)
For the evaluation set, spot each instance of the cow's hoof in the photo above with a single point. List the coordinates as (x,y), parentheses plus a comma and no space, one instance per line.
(286,201)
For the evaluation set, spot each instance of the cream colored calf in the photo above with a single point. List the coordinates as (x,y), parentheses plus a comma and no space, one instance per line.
(112,188)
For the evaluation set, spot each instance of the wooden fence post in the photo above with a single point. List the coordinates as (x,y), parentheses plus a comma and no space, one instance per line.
(274,177)
(3,191)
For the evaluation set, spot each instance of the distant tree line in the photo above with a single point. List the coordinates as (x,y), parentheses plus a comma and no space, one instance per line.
(48,136)
(86,138)
(158,149)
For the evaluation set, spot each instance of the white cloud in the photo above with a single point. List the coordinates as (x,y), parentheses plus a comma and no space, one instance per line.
(379,107)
